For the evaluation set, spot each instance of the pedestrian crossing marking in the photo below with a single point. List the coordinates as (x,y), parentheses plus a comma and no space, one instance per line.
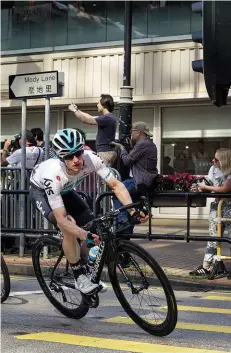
(201,309)
(217,297)
(180,325)
(111,344)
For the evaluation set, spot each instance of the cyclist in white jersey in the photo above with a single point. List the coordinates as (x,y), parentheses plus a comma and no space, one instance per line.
(51,192)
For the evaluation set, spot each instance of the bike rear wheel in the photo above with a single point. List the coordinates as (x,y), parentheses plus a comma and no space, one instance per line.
(5,277)
(58,286)
(135,277)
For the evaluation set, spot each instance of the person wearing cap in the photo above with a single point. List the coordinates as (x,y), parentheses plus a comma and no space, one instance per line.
(142,160)
(34,154)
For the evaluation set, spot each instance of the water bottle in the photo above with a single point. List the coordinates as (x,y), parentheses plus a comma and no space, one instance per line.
(92,257)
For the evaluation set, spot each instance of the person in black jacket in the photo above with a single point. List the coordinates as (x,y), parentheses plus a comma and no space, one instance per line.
(142,160)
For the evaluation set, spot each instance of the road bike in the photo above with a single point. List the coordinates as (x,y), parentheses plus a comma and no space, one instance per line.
(135,277)
(5,280)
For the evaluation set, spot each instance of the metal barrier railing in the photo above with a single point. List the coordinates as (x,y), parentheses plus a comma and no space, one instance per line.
(188,196)
(34,222)
(218,267)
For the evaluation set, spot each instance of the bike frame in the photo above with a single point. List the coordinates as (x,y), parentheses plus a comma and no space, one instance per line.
(98,266)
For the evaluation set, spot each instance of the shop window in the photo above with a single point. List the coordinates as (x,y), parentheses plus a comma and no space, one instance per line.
(191,136)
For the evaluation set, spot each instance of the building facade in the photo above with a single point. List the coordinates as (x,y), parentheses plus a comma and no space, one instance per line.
(84,39)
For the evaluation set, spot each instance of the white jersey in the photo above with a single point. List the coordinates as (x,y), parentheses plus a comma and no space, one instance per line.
(51,176)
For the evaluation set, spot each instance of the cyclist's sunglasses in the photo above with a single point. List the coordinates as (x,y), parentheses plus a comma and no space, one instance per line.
(216,160)
(77,154)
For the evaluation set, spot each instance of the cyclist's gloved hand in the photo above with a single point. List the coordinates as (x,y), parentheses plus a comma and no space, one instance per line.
(139,217)
(135,217)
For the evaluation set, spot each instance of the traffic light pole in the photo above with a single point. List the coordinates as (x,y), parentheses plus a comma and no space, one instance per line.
(126,103)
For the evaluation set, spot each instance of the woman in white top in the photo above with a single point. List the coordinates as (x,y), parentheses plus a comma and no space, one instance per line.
(220,175)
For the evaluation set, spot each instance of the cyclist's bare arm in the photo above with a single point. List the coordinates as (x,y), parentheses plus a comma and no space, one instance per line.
(66,224)
(124,197)
(121,192)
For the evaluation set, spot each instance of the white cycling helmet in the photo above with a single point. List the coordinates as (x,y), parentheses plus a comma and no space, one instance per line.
(67,141)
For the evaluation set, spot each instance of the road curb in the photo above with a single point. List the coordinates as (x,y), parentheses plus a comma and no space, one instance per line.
(180,284)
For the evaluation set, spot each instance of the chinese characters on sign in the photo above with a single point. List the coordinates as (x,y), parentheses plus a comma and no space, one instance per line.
(40,89)
(34,85)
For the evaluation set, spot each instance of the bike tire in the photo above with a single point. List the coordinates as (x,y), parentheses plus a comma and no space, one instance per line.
(40,243)
(169,324)
(5,291)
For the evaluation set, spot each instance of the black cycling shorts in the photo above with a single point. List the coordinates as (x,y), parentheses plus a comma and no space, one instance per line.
(74,204)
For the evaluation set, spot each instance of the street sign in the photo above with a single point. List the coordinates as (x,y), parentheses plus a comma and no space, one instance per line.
(34,85)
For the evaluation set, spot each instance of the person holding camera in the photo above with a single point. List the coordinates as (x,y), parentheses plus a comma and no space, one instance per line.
(34,154)
(142,160)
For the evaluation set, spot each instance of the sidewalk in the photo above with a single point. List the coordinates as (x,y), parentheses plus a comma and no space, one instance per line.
(176,257)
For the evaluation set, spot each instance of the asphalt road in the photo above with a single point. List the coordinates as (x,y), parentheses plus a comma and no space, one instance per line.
(30,324)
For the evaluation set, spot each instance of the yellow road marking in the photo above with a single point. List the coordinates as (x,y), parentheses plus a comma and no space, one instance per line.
(107,343)
(217,297)
(180,325)
(201,309)
(19,278)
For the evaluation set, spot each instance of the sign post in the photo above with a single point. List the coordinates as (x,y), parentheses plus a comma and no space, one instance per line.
(47,126)
(22,204)
(30,86)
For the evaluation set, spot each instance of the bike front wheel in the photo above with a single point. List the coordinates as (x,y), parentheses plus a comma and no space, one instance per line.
(143,289)
(5,277)
(56,280)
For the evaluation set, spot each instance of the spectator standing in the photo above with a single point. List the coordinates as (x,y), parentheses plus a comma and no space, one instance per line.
(34,154)
(142,160)
(38,135)
(220,176)
(106,127)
